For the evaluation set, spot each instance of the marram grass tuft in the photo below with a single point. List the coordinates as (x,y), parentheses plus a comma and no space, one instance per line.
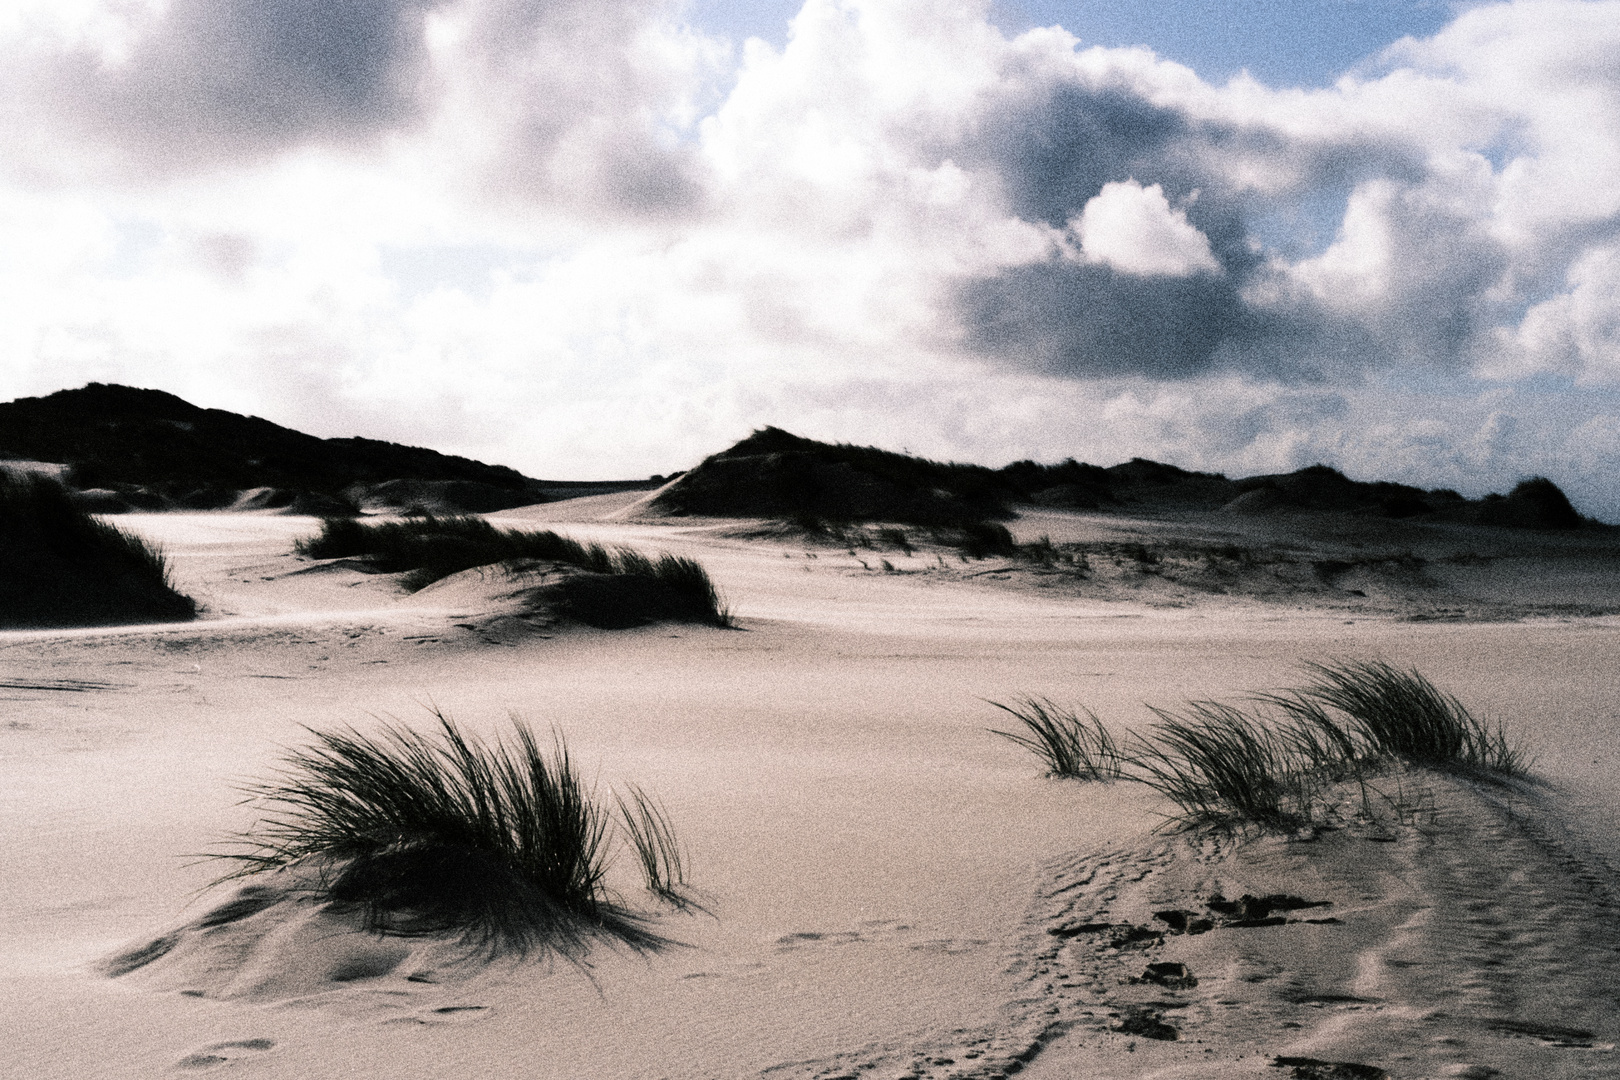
(498,843)
(1271,763)
(618,588)
(1071,747)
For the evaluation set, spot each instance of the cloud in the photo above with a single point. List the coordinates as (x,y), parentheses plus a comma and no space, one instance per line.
(1095,321)
(566,103)
(199,81)
(1575,333)
(579,105)
(517,228)
(1134,230)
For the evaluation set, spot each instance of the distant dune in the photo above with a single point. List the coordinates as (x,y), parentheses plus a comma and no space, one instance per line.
(126,449)
(133,449)
(775,474)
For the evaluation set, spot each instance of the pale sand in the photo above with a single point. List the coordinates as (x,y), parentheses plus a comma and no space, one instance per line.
(884,874)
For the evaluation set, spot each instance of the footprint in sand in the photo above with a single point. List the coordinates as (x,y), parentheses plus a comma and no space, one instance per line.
(444,1014)
(948,946)
(870,931)
(222,1053)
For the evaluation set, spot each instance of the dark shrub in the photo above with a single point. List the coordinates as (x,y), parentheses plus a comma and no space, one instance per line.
(674,589)
(1404,716)
(617,589)
(1072,748)
(61,567)
(980,539)
(1537,503)
(1225,768)
(1272,766)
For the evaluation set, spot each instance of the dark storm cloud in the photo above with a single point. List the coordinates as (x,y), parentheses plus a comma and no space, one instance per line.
(559,103)
(1089,321)
(219,79)
(1064,318)
(1053,152)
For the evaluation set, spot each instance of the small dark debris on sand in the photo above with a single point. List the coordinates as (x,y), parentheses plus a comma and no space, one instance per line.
(1147,1023)
(1185,922)
(1170,974)
(1304,1068)
(1248,908)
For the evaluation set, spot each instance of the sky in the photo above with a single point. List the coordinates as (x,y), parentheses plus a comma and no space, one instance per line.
(604,239)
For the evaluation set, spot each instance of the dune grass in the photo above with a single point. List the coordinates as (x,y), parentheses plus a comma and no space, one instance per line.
(620,588)
(1224,768)
(61,567)
(1271,763)
(430,547)
(662,859)
(1072,748)
(638,590)
(1403,716)
(496,843)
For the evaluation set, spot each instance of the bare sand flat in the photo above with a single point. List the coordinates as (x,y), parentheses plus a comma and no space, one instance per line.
(894,891)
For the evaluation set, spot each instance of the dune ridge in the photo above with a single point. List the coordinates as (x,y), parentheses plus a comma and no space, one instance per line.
(776,474)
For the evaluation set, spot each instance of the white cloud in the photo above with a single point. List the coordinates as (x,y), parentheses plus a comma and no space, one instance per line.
(1575,333)
(1135,230)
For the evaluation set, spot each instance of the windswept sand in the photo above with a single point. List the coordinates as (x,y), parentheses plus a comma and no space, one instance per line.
(895,892)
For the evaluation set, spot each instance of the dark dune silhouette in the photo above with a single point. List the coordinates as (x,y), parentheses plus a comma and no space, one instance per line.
(61,567)
(1536,503)
(132,449)
(135,449)
(119,435)
(775,474)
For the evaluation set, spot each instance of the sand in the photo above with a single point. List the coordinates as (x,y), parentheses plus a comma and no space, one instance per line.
(892,888)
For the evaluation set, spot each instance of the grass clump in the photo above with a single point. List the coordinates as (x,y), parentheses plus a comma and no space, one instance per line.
(637,589)
(430,547)
(1071,747)
(1272,763)
(981,539)
(61,567)
(498,843)
(1223,767)
(618,588)
(1403,716)
(662,859)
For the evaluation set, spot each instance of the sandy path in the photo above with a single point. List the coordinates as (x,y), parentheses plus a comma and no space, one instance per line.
(1467,934)
(872,855)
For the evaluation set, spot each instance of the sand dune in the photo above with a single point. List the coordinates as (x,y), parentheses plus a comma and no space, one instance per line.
(895,892)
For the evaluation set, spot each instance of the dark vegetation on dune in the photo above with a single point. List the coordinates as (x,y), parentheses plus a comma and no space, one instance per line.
(61,567)
(134,449)
(775,474)
(121,439)
(1071,747)
(496,843)
(1273,762)
(142,449)
(613,588)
